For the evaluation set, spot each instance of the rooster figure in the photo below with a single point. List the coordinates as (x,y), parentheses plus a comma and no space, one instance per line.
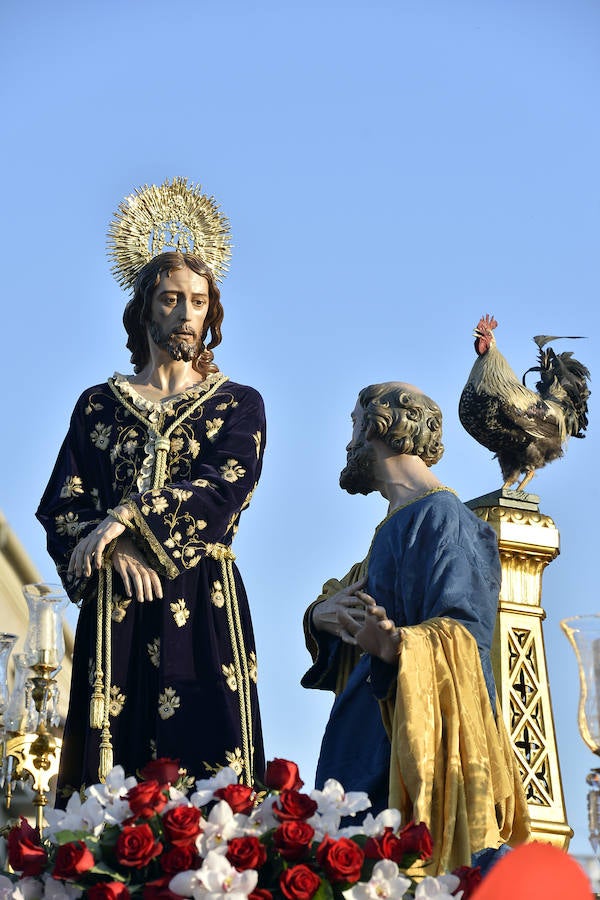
(526,429)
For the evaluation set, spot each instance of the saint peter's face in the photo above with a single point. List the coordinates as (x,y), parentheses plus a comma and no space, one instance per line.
(177,312)
(357,477)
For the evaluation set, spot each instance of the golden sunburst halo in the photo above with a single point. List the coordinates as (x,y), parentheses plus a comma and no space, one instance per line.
(172,216)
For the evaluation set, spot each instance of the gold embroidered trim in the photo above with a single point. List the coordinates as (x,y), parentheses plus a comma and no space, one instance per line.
(165,561)
(240,664)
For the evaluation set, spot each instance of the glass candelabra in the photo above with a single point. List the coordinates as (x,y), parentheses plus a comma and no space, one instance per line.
(28,749)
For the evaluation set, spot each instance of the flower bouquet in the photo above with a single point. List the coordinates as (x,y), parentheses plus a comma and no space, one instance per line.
(158,839)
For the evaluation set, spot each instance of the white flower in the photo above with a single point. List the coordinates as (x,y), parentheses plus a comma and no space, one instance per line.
(28,888)
(222,825)
(333,797)
(176,798)
(112,795)
(216,880)
(85,816)
(385,884)
(387,818)
(205,788)
(261,819)
(60,890)
(439,888)
(328,823)
(6,888)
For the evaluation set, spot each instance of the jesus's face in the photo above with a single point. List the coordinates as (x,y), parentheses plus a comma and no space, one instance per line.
(177,312)
(357,476)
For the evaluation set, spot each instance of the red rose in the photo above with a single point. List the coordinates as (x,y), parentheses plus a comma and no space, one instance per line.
(179,859)
(470,878)
(136,846)
(146,799)
(182,824)
(293,838)
(239,796)
(260,894)
(25,851)
(163,770)
(386,846)
(293,805)
(246,853)
(72,859)
(159,890)
(416,839)
(342,860)
(282,775)
(299,883)
(108,890)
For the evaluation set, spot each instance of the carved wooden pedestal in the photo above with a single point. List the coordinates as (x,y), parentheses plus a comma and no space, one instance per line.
(528,541)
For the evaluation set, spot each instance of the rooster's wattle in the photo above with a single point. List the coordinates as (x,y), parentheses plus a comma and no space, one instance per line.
(525,429)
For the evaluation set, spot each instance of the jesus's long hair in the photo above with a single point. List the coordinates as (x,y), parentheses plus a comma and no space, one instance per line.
(138,311)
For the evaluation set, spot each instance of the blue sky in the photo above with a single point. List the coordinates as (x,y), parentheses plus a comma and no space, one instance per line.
(391,171)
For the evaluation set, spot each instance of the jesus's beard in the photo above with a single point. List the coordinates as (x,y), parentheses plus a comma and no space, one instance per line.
(357,476)
(176,346)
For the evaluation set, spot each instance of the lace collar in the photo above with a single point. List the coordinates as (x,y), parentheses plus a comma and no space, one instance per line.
(143,403)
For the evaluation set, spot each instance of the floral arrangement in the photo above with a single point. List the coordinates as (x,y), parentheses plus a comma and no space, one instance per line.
(152,839)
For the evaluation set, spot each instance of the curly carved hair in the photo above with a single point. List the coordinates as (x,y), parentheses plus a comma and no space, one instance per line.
(406,420)
(138,311)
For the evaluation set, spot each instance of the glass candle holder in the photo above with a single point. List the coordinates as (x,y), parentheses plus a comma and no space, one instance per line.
(44,643)
(7,642)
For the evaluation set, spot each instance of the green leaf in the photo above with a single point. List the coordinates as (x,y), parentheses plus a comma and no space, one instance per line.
(325,891)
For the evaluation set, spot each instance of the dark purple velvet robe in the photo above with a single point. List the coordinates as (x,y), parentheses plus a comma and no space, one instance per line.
(183,680)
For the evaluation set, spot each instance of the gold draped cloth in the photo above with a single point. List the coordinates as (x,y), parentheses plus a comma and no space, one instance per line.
(452,764)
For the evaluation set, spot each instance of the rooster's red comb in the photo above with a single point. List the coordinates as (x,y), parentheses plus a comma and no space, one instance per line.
(486,323)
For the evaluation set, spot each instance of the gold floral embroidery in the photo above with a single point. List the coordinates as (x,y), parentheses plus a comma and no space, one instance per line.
(194,447)
(257,440)
(180,612)
(177,444)
(159,504)
(73,487)
(252,666)
(168,703)
(100,436)
(181,495)
(119,609)
(216,594)
(213,426)
(231,470)
(221,406)
(201,482)
(117,701)
(68,524)
(234,759)
(153,649)
(230,679)
(93,407)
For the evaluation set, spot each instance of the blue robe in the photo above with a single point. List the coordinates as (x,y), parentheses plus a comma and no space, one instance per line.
(183,681)
(429,559)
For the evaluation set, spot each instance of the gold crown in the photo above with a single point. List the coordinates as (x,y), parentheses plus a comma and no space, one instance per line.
(172,217)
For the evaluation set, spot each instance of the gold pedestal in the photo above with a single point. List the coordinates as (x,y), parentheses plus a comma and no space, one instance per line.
(527,541)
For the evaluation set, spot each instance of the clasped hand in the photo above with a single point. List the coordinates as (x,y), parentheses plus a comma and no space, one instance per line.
(344,613)
(139,579)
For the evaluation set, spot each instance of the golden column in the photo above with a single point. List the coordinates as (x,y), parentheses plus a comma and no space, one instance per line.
(528,541)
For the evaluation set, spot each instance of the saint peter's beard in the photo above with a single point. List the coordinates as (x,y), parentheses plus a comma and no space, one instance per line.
(174,342)
(357,476)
